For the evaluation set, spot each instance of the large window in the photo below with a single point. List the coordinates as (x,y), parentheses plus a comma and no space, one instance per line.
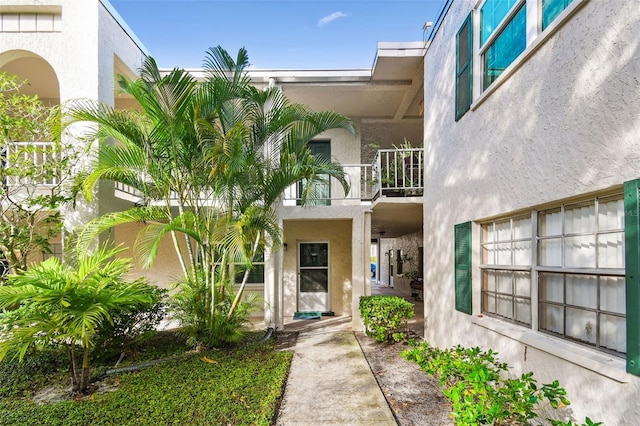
(575,254)
(502,46)
(551,9)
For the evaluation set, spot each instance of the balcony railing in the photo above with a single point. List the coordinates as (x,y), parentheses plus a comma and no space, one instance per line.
(39,158)
(394,173)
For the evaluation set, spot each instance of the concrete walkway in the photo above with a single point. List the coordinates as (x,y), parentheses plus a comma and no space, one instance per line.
(330,382)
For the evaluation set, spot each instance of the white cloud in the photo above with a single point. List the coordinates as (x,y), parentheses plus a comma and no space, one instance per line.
(329,18)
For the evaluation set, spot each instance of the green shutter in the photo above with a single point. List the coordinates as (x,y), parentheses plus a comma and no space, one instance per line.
(463,267)
(464,61)
(632,265)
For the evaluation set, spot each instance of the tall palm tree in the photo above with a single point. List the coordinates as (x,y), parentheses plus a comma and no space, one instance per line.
(69,305)
(222,151)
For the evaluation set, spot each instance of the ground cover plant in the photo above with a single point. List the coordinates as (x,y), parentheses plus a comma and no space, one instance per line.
(239,386)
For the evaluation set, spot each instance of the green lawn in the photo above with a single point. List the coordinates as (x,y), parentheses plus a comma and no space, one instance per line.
(228,387)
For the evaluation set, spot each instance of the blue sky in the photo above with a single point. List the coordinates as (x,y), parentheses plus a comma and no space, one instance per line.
(309,34)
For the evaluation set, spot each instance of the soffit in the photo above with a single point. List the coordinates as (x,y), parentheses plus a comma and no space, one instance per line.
(393,217)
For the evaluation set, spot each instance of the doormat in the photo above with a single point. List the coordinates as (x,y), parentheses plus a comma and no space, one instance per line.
(307,315)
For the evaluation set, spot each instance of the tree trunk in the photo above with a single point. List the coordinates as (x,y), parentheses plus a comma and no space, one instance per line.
(84,380)
(73,369)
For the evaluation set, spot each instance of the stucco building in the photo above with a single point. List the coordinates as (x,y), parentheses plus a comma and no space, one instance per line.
(517,202)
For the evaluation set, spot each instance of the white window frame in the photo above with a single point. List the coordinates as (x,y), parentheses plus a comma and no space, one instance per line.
(535,38)
(535,269)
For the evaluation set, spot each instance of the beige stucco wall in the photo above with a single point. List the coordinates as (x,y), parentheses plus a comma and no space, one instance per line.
(564,124)
(338,234)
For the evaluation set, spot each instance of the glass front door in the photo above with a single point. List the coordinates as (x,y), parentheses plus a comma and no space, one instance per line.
(313,277)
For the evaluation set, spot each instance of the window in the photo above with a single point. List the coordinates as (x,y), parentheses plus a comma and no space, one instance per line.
(320,190)
(575,253)
(501,50)
(464,59)
(506,275)
(551,9)
(256,274)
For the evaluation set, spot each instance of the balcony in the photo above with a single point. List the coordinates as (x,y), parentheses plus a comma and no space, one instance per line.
(35,162)
(394,173)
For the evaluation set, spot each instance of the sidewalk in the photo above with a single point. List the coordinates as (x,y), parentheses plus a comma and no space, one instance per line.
(330,381)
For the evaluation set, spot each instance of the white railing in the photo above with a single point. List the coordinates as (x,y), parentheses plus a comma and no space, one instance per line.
(394,173)
(39,158)
(399,172)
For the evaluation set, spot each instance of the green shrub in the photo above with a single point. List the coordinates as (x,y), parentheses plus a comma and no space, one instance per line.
(474,382)
(385,317)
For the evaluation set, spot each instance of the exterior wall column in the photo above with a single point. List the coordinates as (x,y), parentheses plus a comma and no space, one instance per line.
(273,314)
(361,284)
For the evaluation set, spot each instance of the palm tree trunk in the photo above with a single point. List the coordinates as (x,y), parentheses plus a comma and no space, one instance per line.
(244,278)
(73,369)
(84,380)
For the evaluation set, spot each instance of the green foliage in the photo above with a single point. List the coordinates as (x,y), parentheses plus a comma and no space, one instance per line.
(587,422)
(385,317)
(222,387)
(32,156)
(131,325)
(209,161)
(69,305)
(480,394)
(22,379)
(203,326)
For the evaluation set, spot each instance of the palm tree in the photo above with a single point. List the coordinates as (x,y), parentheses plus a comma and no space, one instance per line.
(69,305)
(223,152)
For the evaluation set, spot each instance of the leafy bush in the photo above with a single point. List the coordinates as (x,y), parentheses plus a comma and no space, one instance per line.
(473,381)
(131,326)
(385,317)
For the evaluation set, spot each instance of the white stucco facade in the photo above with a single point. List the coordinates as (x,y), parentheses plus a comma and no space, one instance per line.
(561,123)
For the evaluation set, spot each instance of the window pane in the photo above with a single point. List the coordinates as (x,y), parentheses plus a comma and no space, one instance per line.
(613,333)
(491,14)
(522,253)
(505,48)
(523,310)
(505,306)
(550,223)
(503,254)
(522,281)
(551,9)
(612,294)
(581,325)
(582,290)
(489,303)
(487,233)
(504,282)
(503,230)
(551,318)
(489,281)
(522,228)
(580,252)
(580,219)
(611,215)
(489,254)
(550,252)
(552,288)
(611,250)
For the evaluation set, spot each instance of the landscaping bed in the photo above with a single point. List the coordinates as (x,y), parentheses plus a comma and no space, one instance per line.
(239,386)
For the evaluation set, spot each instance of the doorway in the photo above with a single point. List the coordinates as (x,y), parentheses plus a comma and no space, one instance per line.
(313,277)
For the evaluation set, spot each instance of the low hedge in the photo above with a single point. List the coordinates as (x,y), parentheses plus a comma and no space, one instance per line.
(385,317)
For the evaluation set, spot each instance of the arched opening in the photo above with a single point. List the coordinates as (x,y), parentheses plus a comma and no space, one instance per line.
(40,75)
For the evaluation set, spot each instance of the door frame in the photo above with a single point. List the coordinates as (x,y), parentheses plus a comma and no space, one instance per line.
(328,267)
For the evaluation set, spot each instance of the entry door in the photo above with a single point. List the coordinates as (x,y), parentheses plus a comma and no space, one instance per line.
(313,277)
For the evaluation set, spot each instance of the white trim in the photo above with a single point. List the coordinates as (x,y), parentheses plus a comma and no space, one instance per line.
(560,20)
(598,362)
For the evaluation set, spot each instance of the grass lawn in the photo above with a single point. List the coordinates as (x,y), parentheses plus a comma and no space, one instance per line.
(222,387)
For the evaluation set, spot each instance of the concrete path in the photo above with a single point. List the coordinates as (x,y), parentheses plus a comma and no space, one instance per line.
(330,382)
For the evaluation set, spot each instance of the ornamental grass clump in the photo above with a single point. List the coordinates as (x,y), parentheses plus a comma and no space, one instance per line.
(385,317)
